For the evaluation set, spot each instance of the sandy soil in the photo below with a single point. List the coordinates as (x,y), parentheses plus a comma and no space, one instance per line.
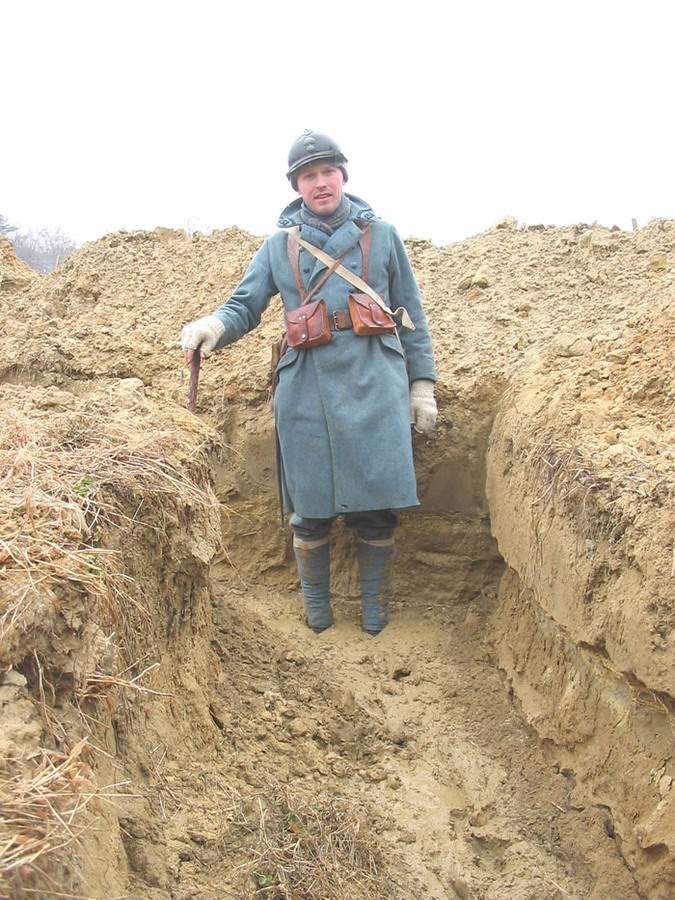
(509,735)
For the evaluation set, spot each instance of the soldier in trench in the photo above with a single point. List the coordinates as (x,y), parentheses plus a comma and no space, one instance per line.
(358,372)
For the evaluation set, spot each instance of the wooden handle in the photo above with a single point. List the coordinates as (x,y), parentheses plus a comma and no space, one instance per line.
(194,380)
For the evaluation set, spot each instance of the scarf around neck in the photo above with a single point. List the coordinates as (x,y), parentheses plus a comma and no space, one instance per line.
(327,224)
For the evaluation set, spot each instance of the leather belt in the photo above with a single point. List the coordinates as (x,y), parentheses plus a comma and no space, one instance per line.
(339,320)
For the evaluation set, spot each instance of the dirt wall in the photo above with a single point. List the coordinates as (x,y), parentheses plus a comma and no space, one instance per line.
(581,501)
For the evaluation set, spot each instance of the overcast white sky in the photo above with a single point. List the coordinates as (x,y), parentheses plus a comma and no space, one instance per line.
(131,115)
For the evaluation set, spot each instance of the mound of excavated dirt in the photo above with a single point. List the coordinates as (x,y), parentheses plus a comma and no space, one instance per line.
(14,272)
(170,727)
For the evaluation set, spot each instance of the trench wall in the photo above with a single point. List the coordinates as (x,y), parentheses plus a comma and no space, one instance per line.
(574,636)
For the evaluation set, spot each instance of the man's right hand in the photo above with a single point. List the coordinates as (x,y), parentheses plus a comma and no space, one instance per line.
(203,333)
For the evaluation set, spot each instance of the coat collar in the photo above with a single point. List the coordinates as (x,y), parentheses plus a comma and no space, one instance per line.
(359,210)
(341,241)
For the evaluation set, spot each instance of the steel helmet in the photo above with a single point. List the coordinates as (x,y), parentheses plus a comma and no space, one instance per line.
(313,147)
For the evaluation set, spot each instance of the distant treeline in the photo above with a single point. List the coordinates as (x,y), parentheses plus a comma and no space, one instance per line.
(42,248)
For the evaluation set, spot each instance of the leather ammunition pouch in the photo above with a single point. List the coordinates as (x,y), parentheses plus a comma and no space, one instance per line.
(307,325)
(368,317)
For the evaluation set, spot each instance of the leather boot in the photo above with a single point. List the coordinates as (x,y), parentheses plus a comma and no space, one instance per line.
(313,558)
(375,559)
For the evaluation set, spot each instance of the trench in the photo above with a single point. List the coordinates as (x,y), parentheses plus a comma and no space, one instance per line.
(449,571)
(496,742)
(436,736)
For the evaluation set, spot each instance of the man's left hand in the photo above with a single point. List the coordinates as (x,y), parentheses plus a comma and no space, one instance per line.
(423,409)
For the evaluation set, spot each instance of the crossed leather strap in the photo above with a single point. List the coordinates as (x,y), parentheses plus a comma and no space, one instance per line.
(335,265)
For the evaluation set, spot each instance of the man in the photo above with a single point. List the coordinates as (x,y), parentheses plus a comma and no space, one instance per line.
(343,408)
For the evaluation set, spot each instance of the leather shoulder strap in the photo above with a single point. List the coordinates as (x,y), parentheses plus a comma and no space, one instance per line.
(365,241)
(293,250)
(355,280)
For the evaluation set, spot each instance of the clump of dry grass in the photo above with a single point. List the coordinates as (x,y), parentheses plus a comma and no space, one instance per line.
(601,498)
(64,483)
(315,850)
(564,471)
(41,818)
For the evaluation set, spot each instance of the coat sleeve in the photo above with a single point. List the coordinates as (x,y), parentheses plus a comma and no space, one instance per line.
(242,311)
(403,291)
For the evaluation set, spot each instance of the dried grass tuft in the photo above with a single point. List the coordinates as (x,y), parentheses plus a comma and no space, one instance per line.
(41,818)
(568,475)
(564,471)
(64,481)
(315,850)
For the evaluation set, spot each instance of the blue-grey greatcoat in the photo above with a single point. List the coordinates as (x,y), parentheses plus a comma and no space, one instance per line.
(342,410)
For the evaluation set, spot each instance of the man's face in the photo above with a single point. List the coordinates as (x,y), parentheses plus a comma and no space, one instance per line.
(321,188)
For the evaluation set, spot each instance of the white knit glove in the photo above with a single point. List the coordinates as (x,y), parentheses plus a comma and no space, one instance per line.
(423,409)
(203,333)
